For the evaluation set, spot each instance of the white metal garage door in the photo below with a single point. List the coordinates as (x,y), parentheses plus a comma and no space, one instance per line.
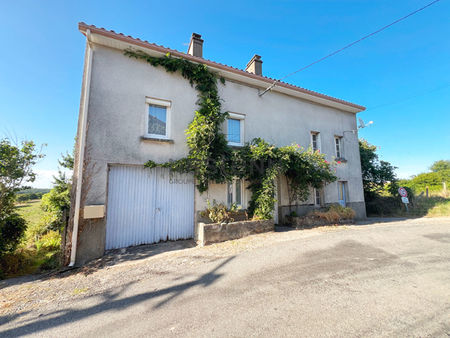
(148,206)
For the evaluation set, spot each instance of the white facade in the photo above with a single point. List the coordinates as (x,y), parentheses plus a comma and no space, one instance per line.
(117,119)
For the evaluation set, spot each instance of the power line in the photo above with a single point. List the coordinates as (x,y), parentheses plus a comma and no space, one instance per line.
(349,45)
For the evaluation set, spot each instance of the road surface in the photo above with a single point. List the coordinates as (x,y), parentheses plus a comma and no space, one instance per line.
(379,279)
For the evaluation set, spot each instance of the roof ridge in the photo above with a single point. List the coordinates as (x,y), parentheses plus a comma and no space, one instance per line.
(82,26)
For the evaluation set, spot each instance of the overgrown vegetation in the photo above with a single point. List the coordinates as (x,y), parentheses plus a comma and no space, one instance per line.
(334,213)
(212,160)
(435,180)
(219,212)
(16,168)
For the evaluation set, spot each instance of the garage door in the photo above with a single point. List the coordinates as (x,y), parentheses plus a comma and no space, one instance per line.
(147,206)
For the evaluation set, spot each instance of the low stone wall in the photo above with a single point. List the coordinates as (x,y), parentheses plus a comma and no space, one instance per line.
(214,233)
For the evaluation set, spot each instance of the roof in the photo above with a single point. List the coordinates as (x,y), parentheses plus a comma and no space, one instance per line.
(83,27)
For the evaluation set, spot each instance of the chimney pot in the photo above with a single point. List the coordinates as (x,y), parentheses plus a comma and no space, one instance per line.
(196,45)
(254,66)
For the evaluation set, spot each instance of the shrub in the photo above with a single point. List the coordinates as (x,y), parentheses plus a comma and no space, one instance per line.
(334,213)
(51,241)
(219,213)
(12,228)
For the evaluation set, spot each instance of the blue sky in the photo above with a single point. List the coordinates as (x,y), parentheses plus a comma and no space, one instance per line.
(401,75)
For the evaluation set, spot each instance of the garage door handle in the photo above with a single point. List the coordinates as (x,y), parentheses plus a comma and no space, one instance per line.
(158,209)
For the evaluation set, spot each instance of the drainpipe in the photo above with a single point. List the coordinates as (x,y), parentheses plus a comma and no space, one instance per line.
(81,143)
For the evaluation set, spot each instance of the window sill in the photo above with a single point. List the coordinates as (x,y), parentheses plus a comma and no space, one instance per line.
(342,160)
(155,139)
(235,145)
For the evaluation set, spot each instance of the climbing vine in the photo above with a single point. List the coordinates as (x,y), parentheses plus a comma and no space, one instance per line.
(211,159)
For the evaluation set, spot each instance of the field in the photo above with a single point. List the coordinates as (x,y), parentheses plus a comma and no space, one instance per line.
(39,248)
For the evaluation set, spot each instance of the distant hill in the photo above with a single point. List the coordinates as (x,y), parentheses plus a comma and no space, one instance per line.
(31,194)
(33,191)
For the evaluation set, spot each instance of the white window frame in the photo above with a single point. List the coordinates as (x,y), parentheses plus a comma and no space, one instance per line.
(241,118)
(233,195)
(341,148)
(319,143)
(163,103)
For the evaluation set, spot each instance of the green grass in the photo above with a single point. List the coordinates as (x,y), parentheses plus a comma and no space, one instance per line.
(31,211)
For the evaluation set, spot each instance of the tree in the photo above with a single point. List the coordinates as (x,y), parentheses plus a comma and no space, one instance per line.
(56,203)
(441,165)
(375,173)
(16,168)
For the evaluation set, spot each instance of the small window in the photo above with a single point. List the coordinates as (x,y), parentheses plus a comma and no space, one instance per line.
(235,129)
(315,141)
(338,144)
(234,191)
(317,197)
(158,112)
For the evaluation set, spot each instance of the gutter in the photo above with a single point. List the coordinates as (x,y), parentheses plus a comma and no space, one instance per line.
(81,148)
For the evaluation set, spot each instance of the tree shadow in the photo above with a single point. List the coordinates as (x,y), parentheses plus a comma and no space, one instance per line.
(111,258)
(110,301)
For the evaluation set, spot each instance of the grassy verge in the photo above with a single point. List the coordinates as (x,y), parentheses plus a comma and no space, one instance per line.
(39,249)
(420,206)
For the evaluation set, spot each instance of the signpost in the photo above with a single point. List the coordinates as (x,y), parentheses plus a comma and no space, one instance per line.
(404,194)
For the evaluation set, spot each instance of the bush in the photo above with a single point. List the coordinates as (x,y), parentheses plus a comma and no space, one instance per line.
(219,213)
(51,241)
(12,228)
(334,213)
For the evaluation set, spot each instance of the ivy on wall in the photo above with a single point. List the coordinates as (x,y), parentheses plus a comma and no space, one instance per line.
(211,159)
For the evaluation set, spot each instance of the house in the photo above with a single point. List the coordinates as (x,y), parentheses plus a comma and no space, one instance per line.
(132,112)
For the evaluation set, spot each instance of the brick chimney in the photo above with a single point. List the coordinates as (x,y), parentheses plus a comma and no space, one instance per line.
(196,45)
(254,66)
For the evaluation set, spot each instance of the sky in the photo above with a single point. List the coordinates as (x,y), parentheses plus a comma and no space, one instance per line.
(402,75)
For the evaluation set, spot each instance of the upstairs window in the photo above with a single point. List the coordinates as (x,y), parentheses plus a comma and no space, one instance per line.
(235,129)
(338,146)
(158,118)
(315,141)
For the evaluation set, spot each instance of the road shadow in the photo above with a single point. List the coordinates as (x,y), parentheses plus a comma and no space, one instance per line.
(110,300)
(111,257)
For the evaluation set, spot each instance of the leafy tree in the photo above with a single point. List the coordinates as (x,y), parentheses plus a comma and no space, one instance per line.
(442,165)
(16,168)
(375,173)
(57,201)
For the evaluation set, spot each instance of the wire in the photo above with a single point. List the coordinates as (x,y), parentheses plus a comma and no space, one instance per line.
(349,45)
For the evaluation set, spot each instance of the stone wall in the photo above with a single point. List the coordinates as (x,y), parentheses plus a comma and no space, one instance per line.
(214,233)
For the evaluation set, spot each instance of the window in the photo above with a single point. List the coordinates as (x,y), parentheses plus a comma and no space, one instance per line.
(342,193)
(338,146)
(317,197)
(315,141)
(235,129)
(158,115)
(234,191)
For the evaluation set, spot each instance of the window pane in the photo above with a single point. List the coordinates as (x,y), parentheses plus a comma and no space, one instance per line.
(318,197)
(230,193)
(238,192)
(157,116)
(234,130)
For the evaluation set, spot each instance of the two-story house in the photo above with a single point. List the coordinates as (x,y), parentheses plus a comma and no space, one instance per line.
(132,112)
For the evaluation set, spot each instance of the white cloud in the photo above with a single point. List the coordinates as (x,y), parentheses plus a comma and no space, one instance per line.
(44,178)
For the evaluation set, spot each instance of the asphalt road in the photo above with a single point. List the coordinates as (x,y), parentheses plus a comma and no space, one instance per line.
(390,279)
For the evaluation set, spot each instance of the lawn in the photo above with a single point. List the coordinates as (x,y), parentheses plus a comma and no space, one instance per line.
(31,211)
